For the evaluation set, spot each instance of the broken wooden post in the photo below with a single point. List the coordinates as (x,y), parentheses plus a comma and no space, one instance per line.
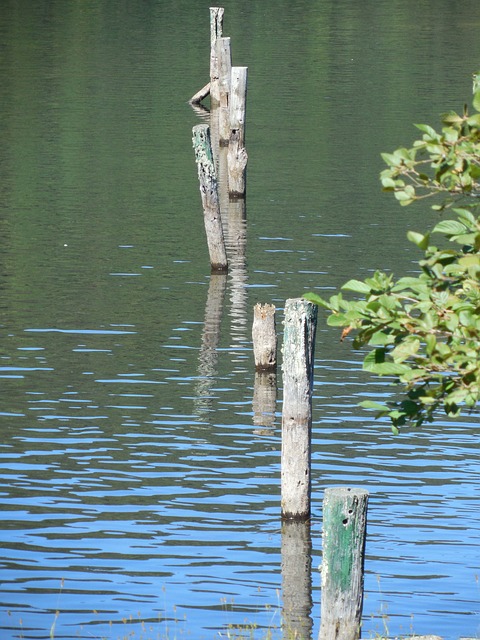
(200,95)
(237,154)
(264,337)
(344,529)
(216,29)
(209,190)
(298,356)
(224,58)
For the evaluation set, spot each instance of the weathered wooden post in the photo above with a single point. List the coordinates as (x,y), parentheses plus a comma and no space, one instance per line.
(216,29)
(344,532)
(264,337)
(237,154)
(207,177)
(224,58)
(298,357)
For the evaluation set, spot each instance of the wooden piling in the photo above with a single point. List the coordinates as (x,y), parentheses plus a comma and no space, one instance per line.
(264,337)
(344,530)
(298,357)
(224,58)
(207,177)
(216,29)
(237,154)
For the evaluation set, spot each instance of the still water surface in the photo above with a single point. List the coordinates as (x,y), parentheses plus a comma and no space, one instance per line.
(138,480)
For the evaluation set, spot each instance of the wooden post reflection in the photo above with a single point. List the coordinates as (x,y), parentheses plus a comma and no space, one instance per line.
(264,402)
(236,242)
(207,365)
(297,580)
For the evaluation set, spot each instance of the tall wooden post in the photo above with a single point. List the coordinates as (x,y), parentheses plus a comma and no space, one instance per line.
(224,57)
(344,532)
(298,358)
(216,29)
(237,154)
(207,177)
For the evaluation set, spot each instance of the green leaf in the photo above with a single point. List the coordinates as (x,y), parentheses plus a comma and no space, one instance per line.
(406,195)
(470,260)
(430,131)
(476,100)
(316,299)
(370,404)
(467,218)
(337,320)
(388,182)
(356,285)
(474,121)
(389,159)
(450,227)
(419,239)
(380,339)
(451,117)
(375,363)
(405,349)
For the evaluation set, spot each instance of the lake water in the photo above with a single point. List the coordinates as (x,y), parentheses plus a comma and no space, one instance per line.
(140,487)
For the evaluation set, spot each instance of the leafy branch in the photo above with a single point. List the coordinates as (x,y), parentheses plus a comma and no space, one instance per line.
(424,330)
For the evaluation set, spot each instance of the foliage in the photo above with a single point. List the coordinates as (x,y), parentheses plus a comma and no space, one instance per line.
(425,330)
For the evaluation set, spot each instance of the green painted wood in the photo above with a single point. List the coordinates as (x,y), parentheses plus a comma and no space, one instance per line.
(344,531)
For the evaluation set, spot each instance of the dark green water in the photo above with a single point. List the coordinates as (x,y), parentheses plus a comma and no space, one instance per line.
(135,478)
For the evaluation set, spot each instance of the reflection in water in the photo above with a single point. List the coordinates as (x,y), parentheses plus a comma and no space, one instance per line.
(207,365)
(264,401)
(233,216)
(297,580)
(236,241)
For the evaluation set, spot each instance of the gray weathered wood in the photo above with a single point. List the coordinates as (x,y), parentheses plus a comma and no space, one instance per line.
(298,356)
(344,532)
(209,191)
(200,95)
(237,154)
(216,29)
(224,58)
(264,337)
